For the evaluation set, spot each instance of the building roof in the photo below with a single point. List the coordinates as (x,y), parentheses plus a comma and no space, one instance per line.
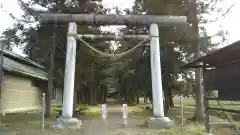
(16,63)
(227,54)
(25,59)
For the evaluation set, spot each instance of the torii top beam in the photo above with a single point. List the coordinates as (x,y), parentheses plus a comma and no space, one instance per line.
(99,19)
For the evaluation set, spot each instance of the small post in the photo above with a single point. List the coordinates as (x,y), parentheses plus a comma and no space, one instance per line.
(43,110)
(181,112)
(206,106)
(206,122)
(104,112)
(125,114)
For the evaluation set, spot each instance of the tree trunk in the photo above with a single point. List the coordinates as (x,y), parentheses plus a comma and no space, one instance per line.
(149,93)
(133,97)
(74,101)
(88,95)
(105,95)
(137,96)
(98,95)
(171,99)
(79,97)
(91,95)
(145,97)
(95,95)
(199,113)
(167,99)
(48,112)
(166,104)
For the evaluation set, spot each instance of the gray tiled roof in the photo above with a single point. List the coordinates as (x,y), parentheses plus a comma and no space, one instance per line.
(15,63)
(25,59)
(16,66)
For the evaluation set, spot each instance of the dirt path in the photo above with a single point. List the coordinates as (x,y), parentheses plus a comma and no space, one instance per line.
(112,125)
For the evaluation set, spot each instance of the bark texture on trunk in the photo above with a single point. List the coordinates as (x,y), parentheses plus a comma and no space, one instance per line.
(199,113)
(49,92)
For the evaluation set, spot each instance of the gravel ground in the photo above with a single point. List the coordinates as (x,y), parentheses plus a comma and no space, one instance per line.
(21,124)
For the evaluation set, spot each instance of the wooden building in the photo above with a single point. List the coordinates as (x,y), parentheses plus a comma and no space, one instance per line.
(23,83)
(221,74)
(221,71)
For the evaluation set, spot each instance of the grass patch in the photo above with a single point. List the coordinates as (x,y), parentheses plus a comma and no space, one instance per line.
(191,102)
(37,122)
(140,112)
(189,107)
(191,127)
(58,108)
(186,131)
(93,110)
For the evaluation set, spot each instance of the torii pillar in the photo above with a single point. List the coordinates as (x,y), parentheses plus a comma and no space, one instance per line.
(158,120)
(157,94)
(67,121)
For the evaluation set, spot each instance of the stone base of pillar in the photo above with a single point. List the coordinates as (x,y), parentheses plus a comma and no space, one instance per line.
(62,123)
(160,123)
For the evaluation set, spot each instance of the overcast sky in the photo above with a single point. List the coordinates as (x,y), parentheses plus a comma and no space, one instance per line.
(11,6)
(230,23)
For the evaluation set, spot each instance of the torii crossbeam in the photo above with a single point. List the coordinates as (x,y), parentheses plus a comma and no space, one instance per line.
(99,19)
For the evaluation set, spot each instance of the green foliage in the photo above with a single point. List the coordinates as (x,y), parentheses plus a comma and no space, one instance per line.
(90,68)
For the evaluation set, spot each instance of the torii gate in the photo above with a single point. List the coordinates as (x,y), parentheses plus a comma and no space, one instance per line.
(96,19)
